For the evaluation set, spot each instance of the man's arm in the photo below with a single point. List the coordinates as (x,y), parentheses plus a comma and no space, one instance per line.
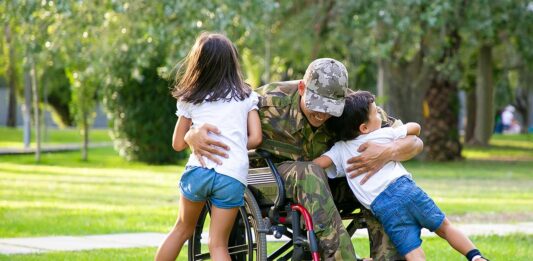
(374,156)
(203,146)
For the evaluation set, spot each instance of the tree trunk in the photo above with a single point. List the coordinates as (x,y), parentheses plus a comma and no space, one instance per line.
(441,125)
(381,78)
(404,84)
(484,97)
(11,74)
(321,26)
(26,108)
(470,115)
(36,110)
(84,153)
(529,122)
(524,100)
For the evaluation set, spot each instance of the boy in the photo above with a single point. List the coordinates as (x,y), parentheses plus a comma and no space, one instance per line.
(401,206)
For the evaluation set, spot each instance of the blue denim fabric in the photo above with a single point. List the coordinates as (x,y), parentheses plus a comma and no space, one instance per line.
(404,209)
(201,184)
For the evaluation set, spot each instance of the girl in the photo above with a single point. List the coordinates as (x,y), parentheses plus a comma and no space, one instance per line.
(210,90)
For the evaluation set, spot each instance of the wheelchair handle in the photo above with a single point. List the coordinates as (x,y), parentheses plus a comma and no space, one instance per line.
(280,200)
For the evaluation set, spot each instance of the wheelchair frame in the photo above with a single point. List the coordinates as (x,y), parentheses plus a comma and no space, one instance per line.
(265,212)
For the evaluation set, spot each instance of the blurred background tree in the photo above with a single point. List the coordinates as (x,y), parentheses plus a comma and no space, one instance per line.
(415,55)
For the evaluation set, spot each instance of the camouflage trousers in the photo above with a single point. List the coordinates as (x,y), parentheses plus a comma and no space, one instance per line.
(307,184)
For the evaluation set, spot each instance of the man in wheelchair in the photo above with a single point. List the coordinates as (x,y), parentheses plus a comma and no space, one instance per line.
(292,115)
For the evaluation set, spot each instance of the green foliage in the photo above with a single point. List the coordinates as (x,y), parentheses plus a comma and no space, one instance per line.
(58,93)
(141,111)
(78,45)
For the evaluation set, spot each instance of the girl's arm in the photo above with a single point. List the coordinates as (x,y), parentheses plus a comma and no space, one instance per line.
(182,127)
(323,161)
(255,135)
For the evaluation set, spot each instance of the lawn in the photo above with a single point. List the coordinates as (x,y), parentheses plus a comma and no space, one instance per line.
(13,138)
(63,195)
(513,247)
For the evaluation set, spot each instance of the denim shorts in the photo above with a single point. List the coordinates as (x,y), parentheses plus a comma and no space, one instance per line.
(201,184)
(404,209)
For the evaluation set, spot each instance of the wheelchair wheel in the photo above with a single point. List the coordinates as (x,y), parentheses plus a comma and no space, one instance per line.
(245,243)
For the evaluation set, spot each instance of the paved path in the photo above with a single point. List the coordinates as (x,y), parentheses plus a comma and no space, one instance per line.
(132,240)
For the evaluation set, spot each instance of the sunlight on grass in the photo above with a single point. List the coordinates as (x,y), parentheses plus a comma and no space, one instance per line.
(13,138)
(503,147)
(513,247)
(63,195)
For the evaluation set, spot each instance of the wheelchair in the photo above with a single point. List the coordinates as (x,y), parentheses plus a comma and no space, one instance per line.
(267,211)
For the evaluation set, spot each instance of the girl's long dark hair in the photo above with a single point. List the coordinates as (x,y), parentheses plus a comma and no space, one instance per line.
(211,72)
(355,113)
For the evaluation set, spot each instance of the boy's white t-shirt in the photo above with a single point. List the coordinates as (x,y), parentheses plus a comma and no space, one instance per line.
(344,150)
(231,118)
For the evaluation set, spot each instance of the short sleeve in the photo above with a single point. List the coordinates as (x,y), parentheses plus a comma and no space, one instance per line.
(254,99)
(335,170)
(183,109)
(399,132)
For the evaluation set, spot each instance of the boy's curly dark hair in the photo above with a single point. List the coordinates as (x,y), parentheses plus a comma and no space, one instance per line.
(355,113)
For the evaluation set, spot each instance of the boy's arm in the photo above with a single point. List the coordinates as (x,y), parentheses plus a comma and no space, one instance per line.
(413,128)
(182,127)
(255,136)
(323,161)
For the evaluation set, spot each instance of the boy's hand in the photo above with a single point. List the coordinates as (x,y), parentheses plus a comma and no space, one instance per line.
(203,146)
(373,157)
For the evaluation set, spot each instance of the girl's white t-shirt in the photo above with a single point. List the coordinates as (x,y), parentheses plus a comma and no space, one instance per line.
(344,150)
(231,118)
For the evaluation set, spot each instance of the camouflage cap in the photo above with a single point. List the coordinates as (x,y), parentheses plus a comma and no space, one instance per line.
(326,82)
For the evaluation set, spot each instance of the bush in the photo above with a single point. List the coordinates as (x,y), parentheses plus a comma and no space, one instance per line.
(140,108)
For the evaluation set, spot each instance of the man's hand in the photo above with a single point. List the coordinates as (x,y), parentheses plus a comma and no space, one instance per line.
(203,146)
(373,157)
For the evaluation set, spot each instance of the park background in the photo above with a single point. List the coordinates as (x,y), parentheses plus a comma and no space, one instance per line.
(97,75)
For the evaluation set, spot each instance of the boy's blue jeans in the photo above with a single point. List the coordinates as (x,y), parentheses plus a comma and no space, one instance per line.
(404,209)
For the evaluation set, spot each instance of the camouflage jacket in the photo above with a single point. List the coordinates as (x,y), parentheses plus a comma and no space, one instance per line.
(286,132)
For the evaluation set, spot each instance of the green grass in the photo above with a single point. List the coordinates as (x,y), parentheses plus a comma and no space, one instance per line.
(513,247)
(13,137)
(503,147)
(66,196)
(63,195)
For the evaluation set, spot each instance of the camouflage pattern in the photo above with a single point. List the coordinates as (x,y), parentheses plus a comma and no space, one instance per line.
(326,82)
(286,132)
(293,141)
(307,184)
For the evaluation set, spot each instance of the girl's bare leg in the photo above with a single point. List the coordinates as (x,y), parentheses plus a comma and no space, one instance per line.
(221,224)
(182,230)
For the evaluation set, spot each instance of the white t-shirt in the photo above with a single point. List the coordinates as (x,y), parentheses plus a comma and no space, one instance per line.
(343,150)
(507,117)
(231,118)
